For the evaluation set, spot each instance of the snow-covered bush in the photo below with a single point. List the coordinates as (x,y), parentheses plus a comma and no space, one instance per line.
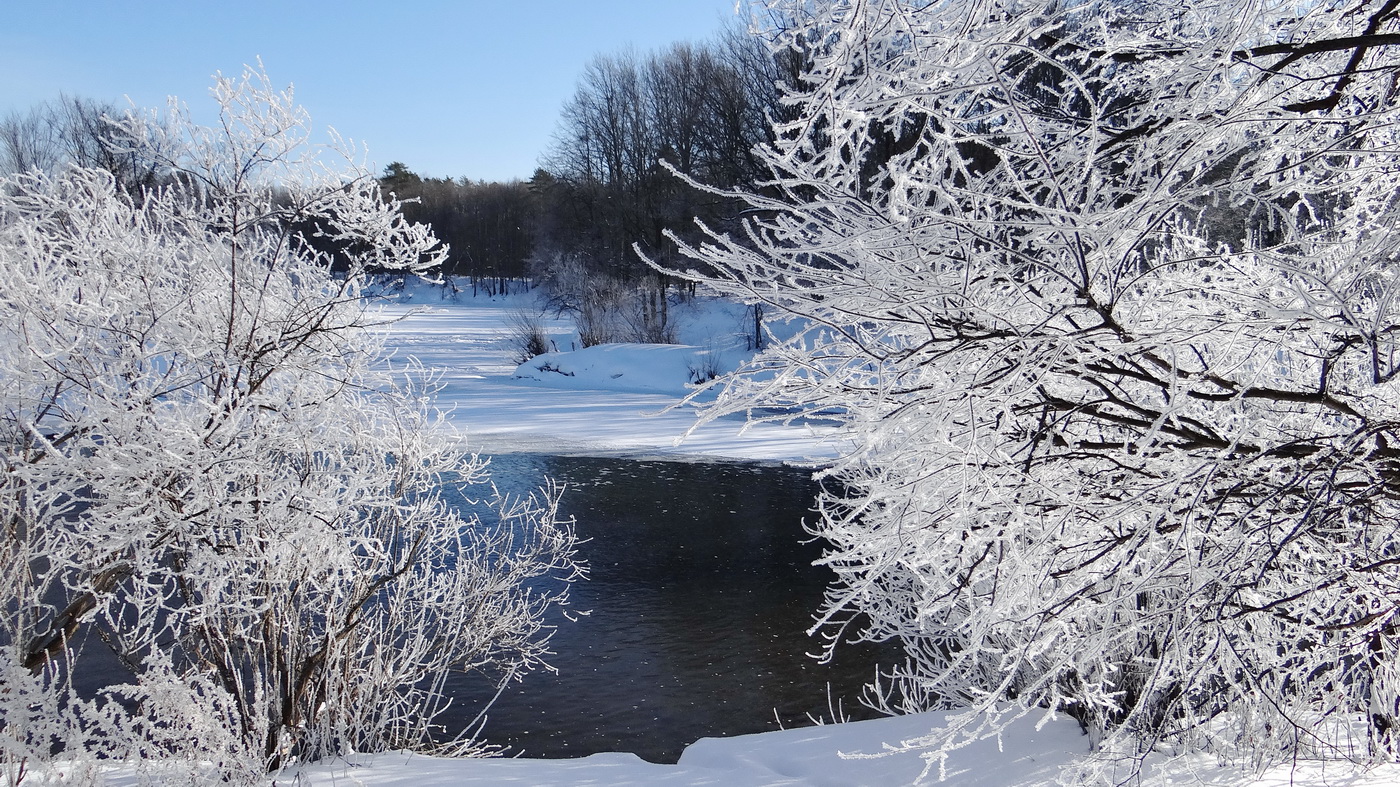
(1105,294)
(204,472)
(527,334)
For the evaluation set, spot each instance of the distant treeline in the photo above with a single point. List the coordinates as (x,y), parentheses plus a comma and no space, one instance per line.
(615,175)
(614,181)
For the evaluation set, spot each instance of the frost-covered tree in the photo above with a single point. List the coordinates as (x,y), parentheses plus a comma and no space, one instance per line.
(207,471)
(1104,294)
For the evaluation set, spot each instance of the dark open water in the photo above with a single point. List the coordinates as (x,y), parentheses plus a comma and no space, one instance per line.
(700,590)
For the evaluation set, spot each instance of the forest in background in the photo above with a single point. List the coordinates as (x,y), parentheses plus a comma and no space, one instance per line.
(612,184)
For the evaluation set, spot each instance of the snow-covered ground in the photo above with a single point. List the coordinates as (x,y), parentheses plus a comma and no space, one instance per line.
(821,756)
(614,400)
(603,400)
(808,756)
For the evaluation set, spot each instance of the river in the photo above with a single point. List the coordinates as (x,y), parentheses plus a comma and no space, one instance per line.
(700,589)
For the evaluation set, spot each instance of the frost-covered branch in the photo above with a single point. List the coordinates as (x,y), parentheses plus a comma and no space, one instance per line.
(205,473)
(1105,297)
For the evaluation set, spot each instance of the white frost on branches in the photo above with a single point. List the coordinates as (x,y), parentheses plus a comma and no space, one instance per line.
(203,471)
(1105,295)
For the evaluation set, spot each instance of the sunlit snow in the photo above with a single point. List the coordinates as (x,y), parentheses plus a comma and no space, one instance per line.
(605,400)
(614,400)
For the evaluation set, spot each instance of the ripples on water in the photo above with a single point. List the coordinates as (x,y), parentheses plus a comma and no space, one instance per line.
(700,589)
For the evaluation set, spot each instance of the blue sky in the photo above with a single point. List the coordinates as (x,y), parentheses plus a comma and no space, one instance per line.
(469,88)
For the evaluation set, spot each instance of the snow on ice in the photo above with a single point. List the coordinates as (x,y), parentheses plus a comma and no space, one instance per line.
(603,400)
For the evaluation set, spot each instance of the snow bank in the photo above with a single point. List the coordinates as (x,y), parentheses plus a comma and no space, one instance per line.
(1023,757)
(608,400)
(806,756)
(834,755)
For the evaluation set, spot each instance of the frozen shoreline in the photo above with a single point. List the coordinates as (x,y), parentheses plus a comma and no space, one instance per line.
(807,756)
(632,410)
(625,408)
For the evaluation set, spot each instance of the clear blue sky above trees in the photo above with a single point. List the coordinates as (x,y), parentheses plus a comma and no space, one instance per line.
(469,88)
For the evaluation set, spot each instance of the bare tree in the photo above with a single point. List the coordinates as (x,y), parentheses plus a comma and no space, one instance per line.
(79,132)
(1105,295)
(28,142)
(636,129)
(696,108)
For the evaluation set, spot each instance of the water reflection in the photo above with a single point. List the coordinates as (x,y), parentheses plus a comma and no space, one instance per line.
(701,588)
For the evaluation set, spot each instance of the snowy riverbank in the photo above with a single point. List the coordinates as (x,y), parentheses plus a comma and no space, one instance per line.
(822,757)
(810,756)
(614,401)
(605,400)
